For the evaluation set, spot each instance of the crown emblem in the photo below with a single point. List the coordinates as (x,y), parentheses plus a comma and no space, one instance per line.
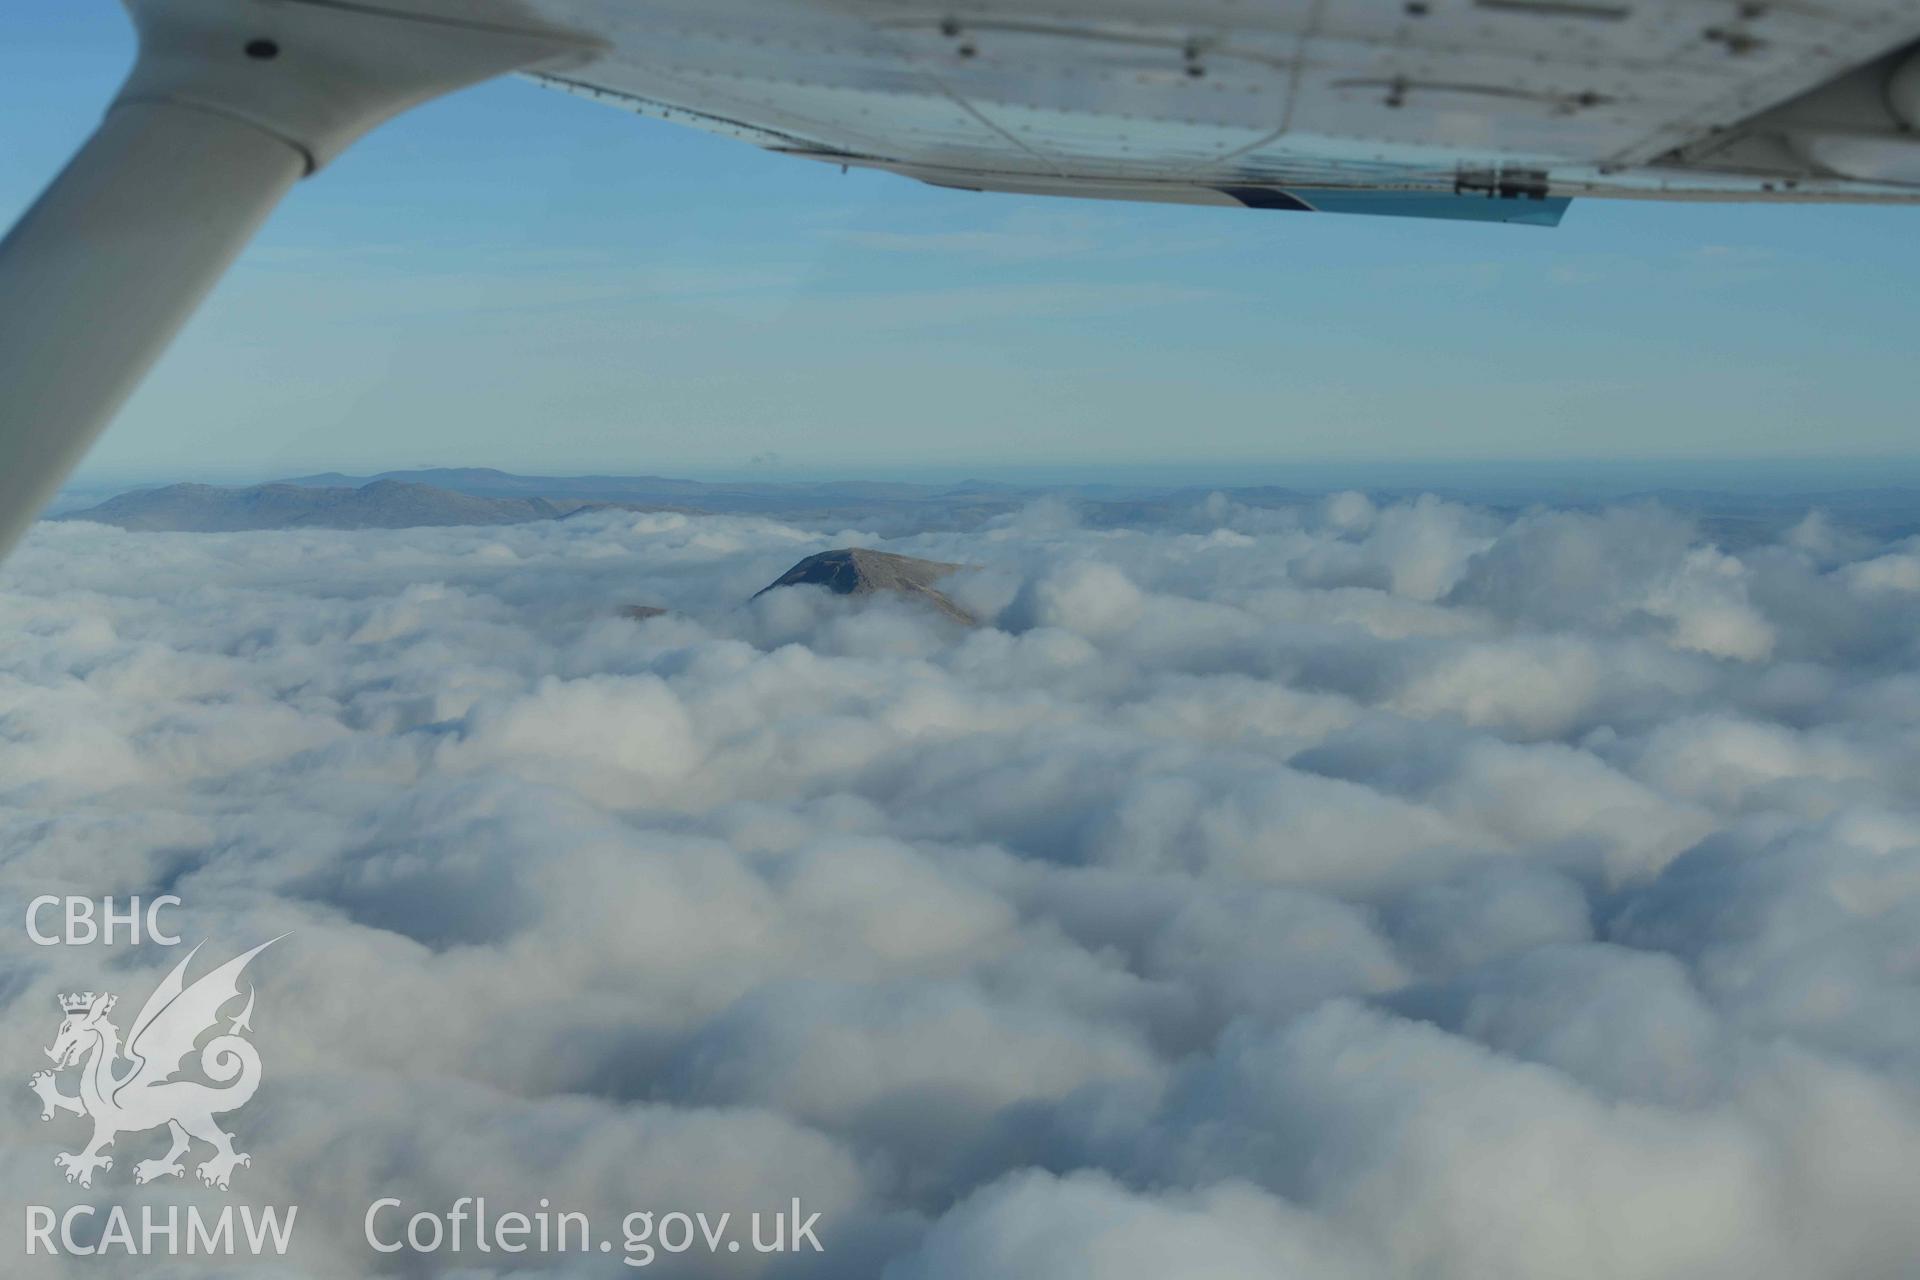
(80,1002)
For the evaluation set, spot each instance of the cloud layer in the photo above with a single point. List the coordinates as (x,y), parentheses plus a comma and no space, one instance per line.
(1346,890)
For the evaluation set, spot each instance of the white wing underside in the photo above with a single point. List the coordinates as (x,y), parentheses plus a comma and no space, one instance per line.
(1205,99)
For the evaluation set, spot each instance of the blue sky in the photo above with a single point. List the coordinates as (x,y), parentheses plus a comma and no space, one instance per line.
(521,279)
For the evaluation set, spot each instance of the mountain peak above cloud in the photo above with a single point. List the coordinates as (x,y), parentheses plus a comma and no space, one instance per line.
(857,571)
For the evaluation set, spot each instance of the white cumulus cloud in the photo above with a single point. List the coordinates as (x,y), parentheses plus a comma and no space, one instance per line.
(1357,889)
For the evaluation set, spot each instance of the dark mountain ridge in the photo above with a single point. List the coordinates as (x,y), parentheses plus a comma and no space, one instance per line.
(383,504)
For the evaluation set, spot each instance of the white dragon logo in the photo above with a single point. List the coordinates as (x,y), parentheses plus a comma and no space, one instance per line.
(145,1095)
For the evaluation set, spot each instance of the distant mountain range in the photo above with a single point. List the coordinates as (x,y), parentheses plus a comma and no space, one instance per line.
(478,495)
(474,495)
(733,496)
(383,504)
(886,506)
(457,496)
(486,480)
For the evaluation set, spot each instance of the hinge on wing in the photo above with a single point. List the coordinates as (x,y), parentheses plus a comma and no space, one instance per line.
(1502,184)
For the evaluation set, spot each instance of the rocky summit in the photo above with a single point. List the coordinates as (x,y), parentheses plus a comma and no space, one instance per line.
(856,571)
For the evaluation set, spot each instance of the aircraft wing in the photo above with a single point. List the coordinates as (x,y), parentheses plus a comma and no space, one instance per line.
(1485,109)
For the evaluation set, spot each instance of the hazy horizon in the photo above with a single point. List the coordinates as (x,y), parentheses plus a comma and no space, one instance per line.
(1781,473)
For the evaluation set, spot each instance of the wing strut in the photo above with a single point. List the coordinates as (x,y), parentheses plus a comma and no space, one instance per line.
(230,102)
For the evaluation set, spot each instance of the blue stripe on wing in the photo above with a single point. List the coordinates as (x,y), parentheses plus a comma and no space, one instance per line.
(1528,210)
